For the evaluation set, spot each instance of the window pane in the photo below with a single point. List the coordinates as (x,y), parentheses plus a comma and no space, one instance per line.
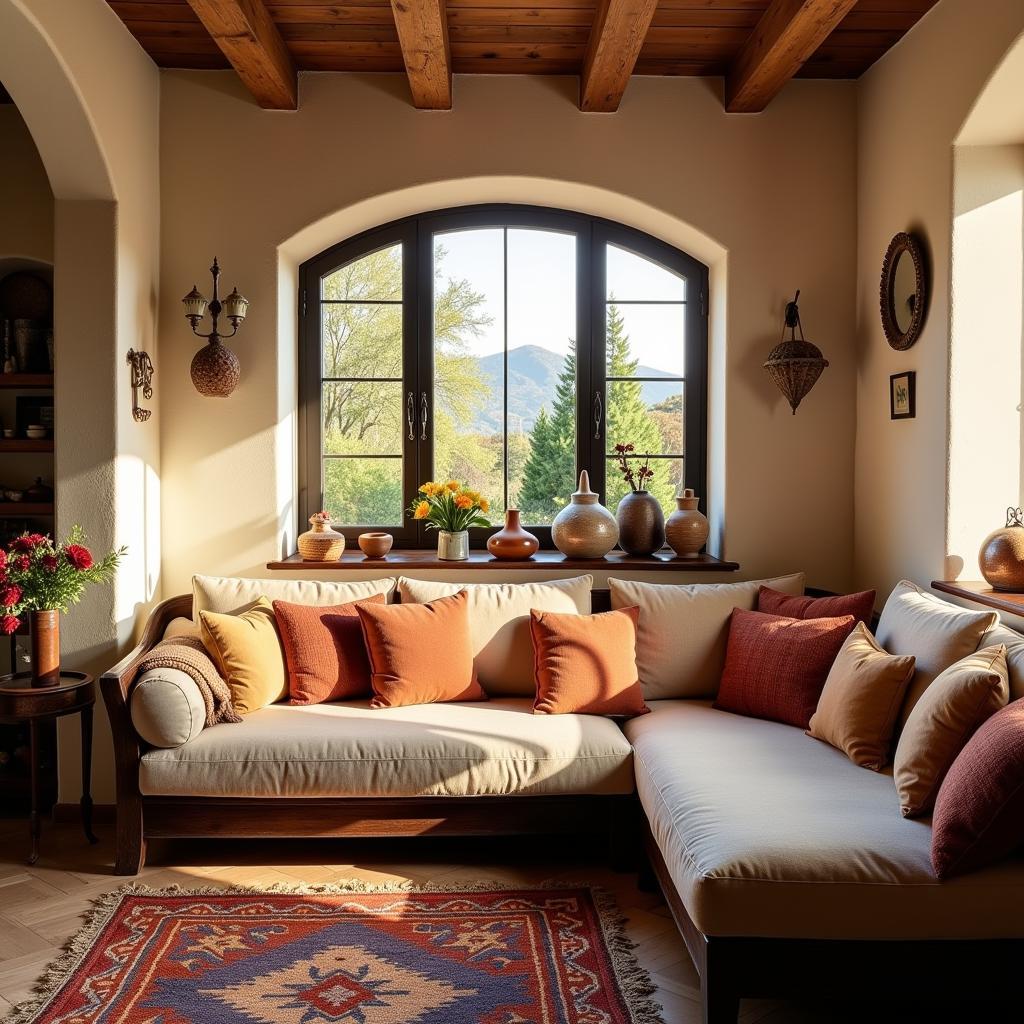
(668,475)
(362,340)
(645,341)
(633,420)
(636,277)
(362,418)
(363,492)
(377,276)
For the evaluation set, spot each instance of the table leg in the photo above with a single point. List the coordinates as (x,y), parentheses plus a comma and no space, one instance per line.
(33,821)
(86,801)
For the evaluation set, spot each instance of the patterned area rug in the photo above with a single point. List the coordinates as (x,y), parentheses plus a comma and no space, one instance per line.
(358,955)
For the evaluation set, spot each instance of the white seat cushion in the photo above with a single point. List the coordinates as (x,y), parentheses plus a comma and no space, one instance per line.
(492,748)
(767,832)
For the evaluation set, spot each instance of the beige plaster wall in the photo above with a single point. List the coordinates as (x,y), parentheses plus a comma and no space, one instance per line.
(26,201)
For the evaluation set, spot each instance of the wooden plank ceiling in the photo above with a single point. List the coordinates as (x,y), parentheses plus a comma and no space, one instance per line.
(757,45)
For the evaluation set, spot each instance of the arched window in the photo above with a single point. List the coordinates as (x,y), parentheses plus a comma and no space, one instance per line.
(507,347)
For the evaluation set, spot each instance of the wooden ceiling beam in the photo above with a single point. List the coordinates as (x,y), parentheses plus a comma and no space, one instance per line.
(423,35)
(787,35)
(619,30)
(248,37)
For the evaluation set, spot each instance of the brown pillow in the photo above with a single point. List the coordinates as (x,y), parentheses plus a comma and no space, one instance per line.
(861,606)
(861,700)
(943,720)
(420,653)
(586,664)
(247,651)
(324,651)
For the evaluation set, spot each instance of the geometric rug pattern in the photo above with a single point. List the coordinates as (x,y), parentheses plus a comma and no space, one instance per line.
(486,956)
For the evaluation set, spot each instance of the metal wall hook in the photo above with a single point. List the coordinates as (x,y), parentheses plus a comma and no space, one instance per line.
(142,379)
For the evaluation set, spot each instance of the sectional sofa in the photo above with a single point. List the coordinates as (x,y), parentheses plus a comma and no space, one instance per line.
(788,868)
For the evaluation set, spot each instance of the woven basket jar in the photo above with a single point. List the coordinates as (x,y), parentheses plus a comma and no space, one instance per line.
(322,543)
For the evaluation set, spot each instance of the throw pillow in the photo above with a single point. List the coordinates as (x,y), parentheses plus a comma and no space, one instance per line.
(775,667)
(228,594)
(683,630)
(324,651)
(943,720)
(247,651)
(861,700)
(586,664)
(420,653)
(499,623)
(936,633)
(1014,644)
(979,812)
(861,606)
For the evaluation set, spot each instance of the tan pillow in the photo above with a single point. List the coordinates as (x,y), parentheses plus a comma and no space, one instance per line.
(861,700)
(684,630)
(247,651)
(948,714)
(1014,644)
(936,633)
(231,595)
(499,623)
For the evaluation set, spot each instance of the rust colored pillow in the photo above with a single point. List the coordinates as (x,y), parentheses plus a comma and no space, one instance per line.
(776,667)
(861,606)
(324,651)
(420,653)
(586,664)
(979,812)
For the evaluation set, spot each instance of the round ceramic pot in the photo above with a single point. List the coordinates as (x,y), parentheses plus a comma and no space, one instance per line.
(375,545)
(641,523)
(513,543)
(687,528)
(1002,558)
(453,547)
(584,528)
(322,543)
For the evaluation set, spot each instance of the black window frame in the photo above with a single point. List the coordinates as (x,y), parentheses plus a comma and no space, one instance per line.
(416,235)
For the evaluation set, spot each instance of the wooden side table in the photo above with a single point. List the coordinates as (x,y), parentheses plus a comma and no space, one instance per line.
(23,702)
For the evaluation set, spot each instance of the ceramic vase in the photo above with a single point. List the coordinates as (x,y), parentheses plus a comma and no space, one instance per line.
(375,545)
(641,523)
(44,629)
(453,547)
(322,543)
(513,543)
(687,528)
(1002,555)
(584,528)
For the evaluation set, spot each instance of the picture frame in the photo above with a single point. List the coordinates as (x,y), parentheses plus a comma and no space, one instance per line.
(903,395)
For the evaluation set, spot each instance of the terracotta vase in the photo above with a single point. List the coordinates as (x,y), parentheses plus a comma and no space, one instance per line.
(513,543)
(322,543)
(641,523)
(584,528)
(44,629)
(687,528)
(1002,555)
(375,545)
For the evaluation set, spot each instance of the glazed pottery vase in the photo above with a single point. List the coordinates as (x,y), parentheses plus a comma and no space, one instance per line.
(687,528)
(584,528)
(375,545)
(44,629)
(641,523)
(322,543)
(513,543)
(1002,554)
(453,547)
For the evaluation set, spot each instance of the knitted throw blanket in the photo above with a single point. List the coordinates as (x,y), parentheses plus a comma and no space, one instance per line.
(188,655)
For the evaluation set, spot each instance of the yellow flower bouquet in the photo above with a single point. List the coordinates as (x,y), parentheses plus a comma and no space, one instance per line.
(450,507)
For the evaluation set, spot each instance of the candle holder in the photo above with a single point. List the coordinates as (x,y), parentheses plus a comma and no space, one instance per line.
(215,368)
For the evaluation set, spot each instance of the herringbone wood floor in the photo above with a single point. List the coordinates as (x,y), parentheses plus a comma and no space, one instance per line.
(41,906)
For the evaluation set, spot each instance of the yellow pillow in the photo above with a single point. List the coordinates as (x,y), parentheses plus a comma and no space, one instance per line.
(247,651)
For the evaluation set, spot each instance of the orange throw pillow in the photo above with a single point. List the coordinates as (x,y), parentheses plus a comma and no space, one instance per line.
(586,664)
(324,651)
(420,653)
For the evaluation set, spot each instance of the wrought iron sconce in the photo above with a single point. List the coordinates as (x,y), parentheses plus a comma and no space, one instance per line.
(142,380)
(215,368)
(795,364)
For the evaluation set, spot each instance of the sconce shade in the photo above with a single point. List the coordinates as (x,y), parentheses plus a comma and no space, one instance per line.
(236,305)
(215,370)
(194,303)
(795,366)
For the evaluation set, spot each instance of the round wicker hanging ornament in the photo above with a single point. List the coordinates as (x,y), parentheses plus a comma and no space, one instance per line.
(795,364)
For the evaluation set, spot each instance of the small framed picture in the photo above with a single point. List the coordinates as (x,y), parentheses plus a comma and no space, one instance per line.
(902,398)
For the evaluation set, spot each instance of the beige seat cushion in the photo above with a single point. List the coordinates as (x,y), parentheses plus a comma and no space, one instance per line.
(228,595)
(1014,644)
(499,623)
(768,833)
(347,750)
(684,630)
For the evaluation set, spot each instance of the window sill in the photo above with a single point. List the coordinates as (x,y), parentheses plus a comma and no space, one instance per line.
(543,561)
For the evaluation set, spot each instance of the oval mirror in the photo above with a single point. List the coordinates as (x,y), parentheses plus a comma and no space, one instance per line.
(903,291)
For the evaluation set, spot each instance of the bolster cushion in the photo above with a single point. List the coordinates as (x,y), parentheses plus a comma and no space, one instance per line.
(167,708)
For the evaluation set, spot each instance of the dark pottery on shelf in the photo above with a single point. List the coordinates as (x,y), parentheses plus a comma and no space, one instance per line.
(1002,554)
(513,543)
(641,523)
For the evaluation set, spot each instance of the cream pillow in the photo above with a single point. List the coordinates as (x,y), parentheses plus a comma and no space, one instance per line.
(684,630)
(499,623)
(167,708)
(228,595)
(936,633)
(1014,644)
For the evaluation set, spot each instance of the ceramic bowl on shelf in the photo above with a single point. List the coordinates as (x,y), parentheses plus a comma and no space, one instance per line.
(375,545)
(13,495)
(35,431)
(8,432)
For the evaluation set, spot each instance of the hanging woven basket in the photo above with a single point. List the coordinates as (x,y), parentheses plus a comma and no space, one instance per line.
(795,364)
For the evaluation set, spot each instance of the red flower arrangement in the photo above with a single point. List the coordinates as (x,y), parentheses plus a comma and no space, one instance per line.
(637,479)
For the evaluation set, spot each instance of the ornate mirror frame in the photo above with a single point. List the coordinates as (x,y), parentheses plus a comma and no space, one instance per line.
(903,243)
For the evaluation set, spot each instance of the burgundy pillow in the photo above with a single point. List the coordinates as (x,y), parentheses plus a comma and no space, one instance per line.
(776,667)
(979,812)
(861,606)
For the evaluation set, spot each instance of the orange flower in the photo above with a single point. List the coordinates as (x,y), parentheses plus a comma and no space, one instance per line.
(463,501)
(422,510)
(431,489)
(453,485)
(485,505)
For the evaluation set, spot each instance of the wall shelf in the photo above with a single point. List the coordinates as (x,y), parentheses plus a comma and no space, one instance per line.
(26,381)
(26,444)
(24,509)
(979,592)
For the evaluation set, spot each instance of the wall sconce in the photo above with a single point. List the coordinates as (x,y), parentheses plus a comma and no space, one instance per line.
(215,369)
(795,364)
(142,379)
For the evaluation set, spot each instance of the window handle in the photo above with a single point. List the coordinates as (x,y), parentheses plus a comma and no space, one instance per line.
(598,415)
(410,415)
(423,417)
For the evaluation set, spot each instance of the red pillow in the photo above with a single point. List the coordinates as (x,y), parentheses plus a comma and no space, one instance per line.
(861,606)
(776,667)
(979,812)
(324,651)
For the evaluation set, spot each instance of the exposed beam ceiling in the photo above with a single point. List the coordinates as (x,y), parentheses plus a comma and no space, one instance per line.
(616,38)
(787,35)
(248,37)
(423,36)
